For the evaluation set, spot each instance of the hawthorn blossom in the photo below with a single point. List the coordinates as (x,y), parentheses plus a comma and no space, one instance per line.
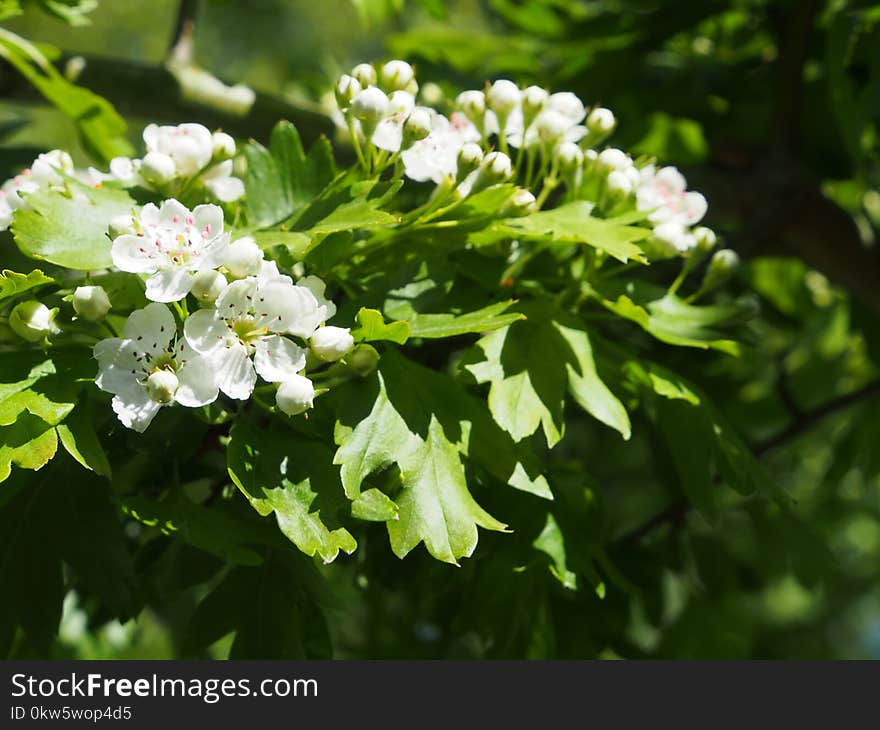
(189,146)
(149,367)
(222,183)
(665,193)
(47,171)
(389,131)
(172,243)
(243,335)
(559,120)
(436,156)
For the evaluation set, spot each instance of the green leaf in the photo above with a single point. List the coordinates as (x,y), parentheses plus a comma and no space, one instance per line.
(435,326)
(12,284)
(79,439)
(531,365)
(29,443)
(423,422)
(101,128)
(283,180)
(295,479)
(552,544)
(70,231)
(674,321)
(572,223)
(213,529)
(374,505)
(372,327)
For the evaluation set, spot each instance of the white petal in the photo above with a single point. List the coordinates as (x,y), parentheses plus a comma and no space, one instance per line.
(227,189)
(173,214)
(135,254)
(277,358)
(388,135)
(212,253)
(695,207)
(237,298)
(208,219)
(169,285)
(205,331)
(196,377)
(135,408)
(234,370)
(153,327)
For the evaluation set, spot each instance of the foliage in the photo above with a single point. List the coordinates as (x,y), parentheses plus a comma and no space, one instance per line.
(525,407)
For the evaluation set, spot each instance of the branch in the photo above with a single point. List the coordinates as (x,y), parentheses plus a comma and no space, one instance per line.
(675,513)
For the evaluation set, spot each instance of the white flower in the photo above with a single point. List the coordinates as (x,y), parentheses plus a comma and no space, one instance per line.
(370,105)
(365,74)
(91,302)
(172,244)
(534,99)
(149,368)
(243,258)
(601,121)
(44,172)
(347,88)
(618,184)
(569,156)
(472,104)
(615,159)
(664,192)
(417,126)
(331,343)
(32,320)
(436,156)
(389,131)
(190,146)
(396,75)
(126,171)
(503,97)
(222,183)
(558,121)
(674,234)
(324,310)
(6,211)
(248,320)
(295,395)
(208,285)
(157,168)
(223,145)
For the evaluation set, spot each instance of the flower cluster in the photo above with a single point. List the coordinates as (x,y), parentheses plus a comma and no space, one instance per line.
(175,157)
(253,322)
(544,141)
(47,171)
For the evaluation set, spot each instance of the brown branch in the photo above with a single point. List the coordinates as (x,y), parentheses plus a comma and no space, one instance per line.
(675,513)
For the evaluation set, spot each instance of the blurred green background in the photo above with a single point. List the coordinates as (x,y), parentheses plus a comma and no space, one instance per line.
(771,109)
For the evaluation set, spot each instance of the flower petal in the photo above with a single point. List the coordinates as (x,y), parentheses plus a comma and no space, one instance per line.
(388,135)
(237,299)
(277,358)
(196,377)
(169,285)
(226,189)
(133,254)
(135,408)
(234,371)
(150,328)
(208,219)
(205,331)
(173,214)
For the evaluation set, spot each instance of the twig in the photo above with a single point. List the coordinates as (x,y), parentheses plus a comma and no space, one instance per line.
(675,513)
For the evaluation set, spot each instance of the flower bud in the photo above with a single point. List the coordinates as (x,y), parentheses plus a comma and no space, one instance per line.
(534,99)
(473,105)
(432,94)
(551,126)
(721,267)
(569,157)
(469,158)
(243,258)
(416,127)
(208,285)
(706,238)
(162,385)
(362,360)
(347,88)
(618,184)
(295,395)
(601,122)
(522,202)
(121,224)
(223,146)
(614,159)
(497,166)
(331,343)
(364,74)
(32,320)
(91,302)
(502,97)
(370,106)
(157,167)
(396,75)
